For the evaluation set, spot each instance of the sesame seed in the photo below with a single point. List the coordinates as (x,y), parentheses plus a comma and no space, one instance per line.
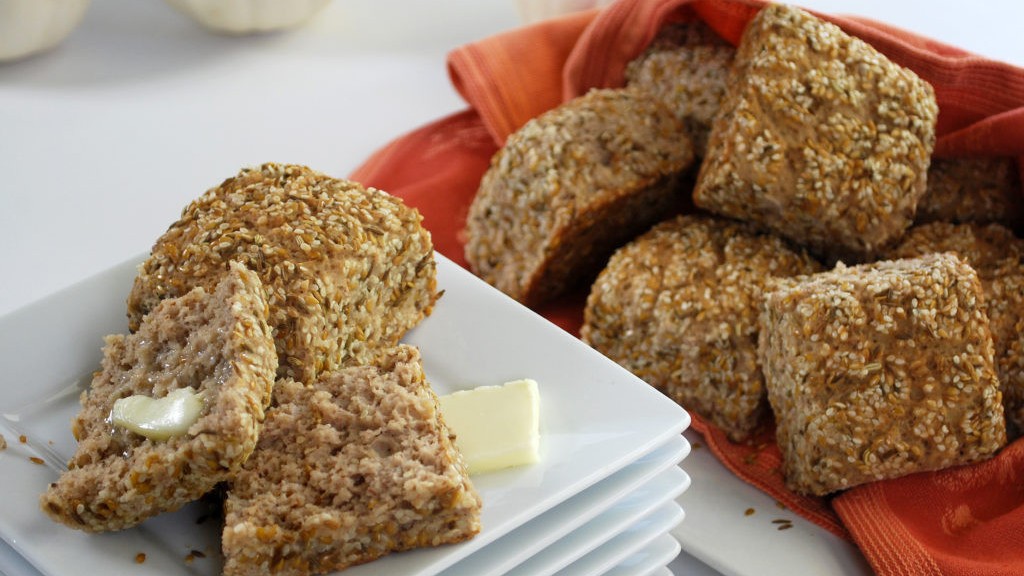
(299,229)
(678,306)
(611,156)
(841,413)
(845,189)
(997,256)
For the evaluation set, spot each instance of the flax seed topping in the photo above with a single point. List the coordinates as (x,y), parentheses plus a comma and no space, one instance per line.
(880,370)
(820,138)
(345,267)
(998,258)
(678,307)
(572,185)
(687,66)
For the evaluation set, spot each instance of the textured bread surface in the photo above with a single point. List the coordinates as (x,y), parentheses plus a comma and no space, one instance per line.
(820,138)
(347,268)
(350,468)
(880,370)
(679,308)
(687,66)
(218,343)
(572,185)
(982,190)
(998,258)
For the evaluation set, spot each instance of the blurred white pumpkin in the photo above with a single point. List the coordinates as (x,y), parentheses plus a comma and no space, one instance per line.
(249,16)
(31,26)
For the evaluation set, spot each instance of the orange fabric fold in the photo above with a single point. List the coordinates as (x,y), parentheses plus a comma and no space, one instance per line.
(968,520)
(963,521)
(526,89)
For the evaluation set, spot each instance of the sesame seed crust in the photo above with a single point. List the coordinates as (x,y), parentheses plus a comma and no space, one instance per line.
(687,66)
(998,258)
(569,187)
(820,138)
(346,268)
(880,370)
(983,190)
(219,343)
(354,466)
(679,307)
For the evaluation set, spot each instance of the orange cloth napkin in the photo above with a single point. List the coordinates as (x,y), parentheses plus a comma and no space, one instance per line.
(962,521)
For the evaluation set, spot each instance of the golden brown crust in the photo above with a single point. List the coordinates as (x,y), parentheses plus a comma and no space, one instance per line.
(820,139)
(687,66)
(880,370)
(346,268)
(571,186)
(998,258)
(678,307)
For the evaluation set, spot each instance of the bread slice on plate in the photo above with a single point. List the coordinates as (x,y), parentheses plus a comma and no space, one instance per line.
(219,344)
(348,469)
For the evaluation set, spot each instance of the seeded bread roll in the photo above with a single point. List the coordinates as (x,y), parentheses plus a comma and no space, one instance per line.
(347,268)
(572,185)
(678,307)
(219,344)
(983,190)
(820,139)
(350,468)
(687,66)
(998,258)
(880,370)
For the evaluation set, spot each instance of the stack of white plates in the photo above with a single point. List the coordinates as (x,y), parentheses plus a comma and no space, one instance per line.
(602,500)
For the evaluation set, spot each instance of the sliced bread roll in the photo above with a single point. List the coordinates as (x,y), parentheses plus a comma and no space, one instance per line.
(218,343)
(352,467)
(347,269)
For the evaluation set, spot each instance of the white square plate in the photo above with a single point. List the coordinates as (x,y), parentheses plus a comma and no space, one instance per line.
(596,418)
(548,533)
(622,546)
(607,535)
(650,560)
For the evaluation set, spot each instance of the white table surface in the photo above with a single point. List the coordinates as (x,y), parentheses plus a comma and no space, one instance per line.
(105,139)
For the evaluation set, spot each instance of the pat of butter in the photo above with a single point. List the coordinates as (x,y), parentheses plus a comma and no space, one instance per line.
(495,426)
(158,418)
